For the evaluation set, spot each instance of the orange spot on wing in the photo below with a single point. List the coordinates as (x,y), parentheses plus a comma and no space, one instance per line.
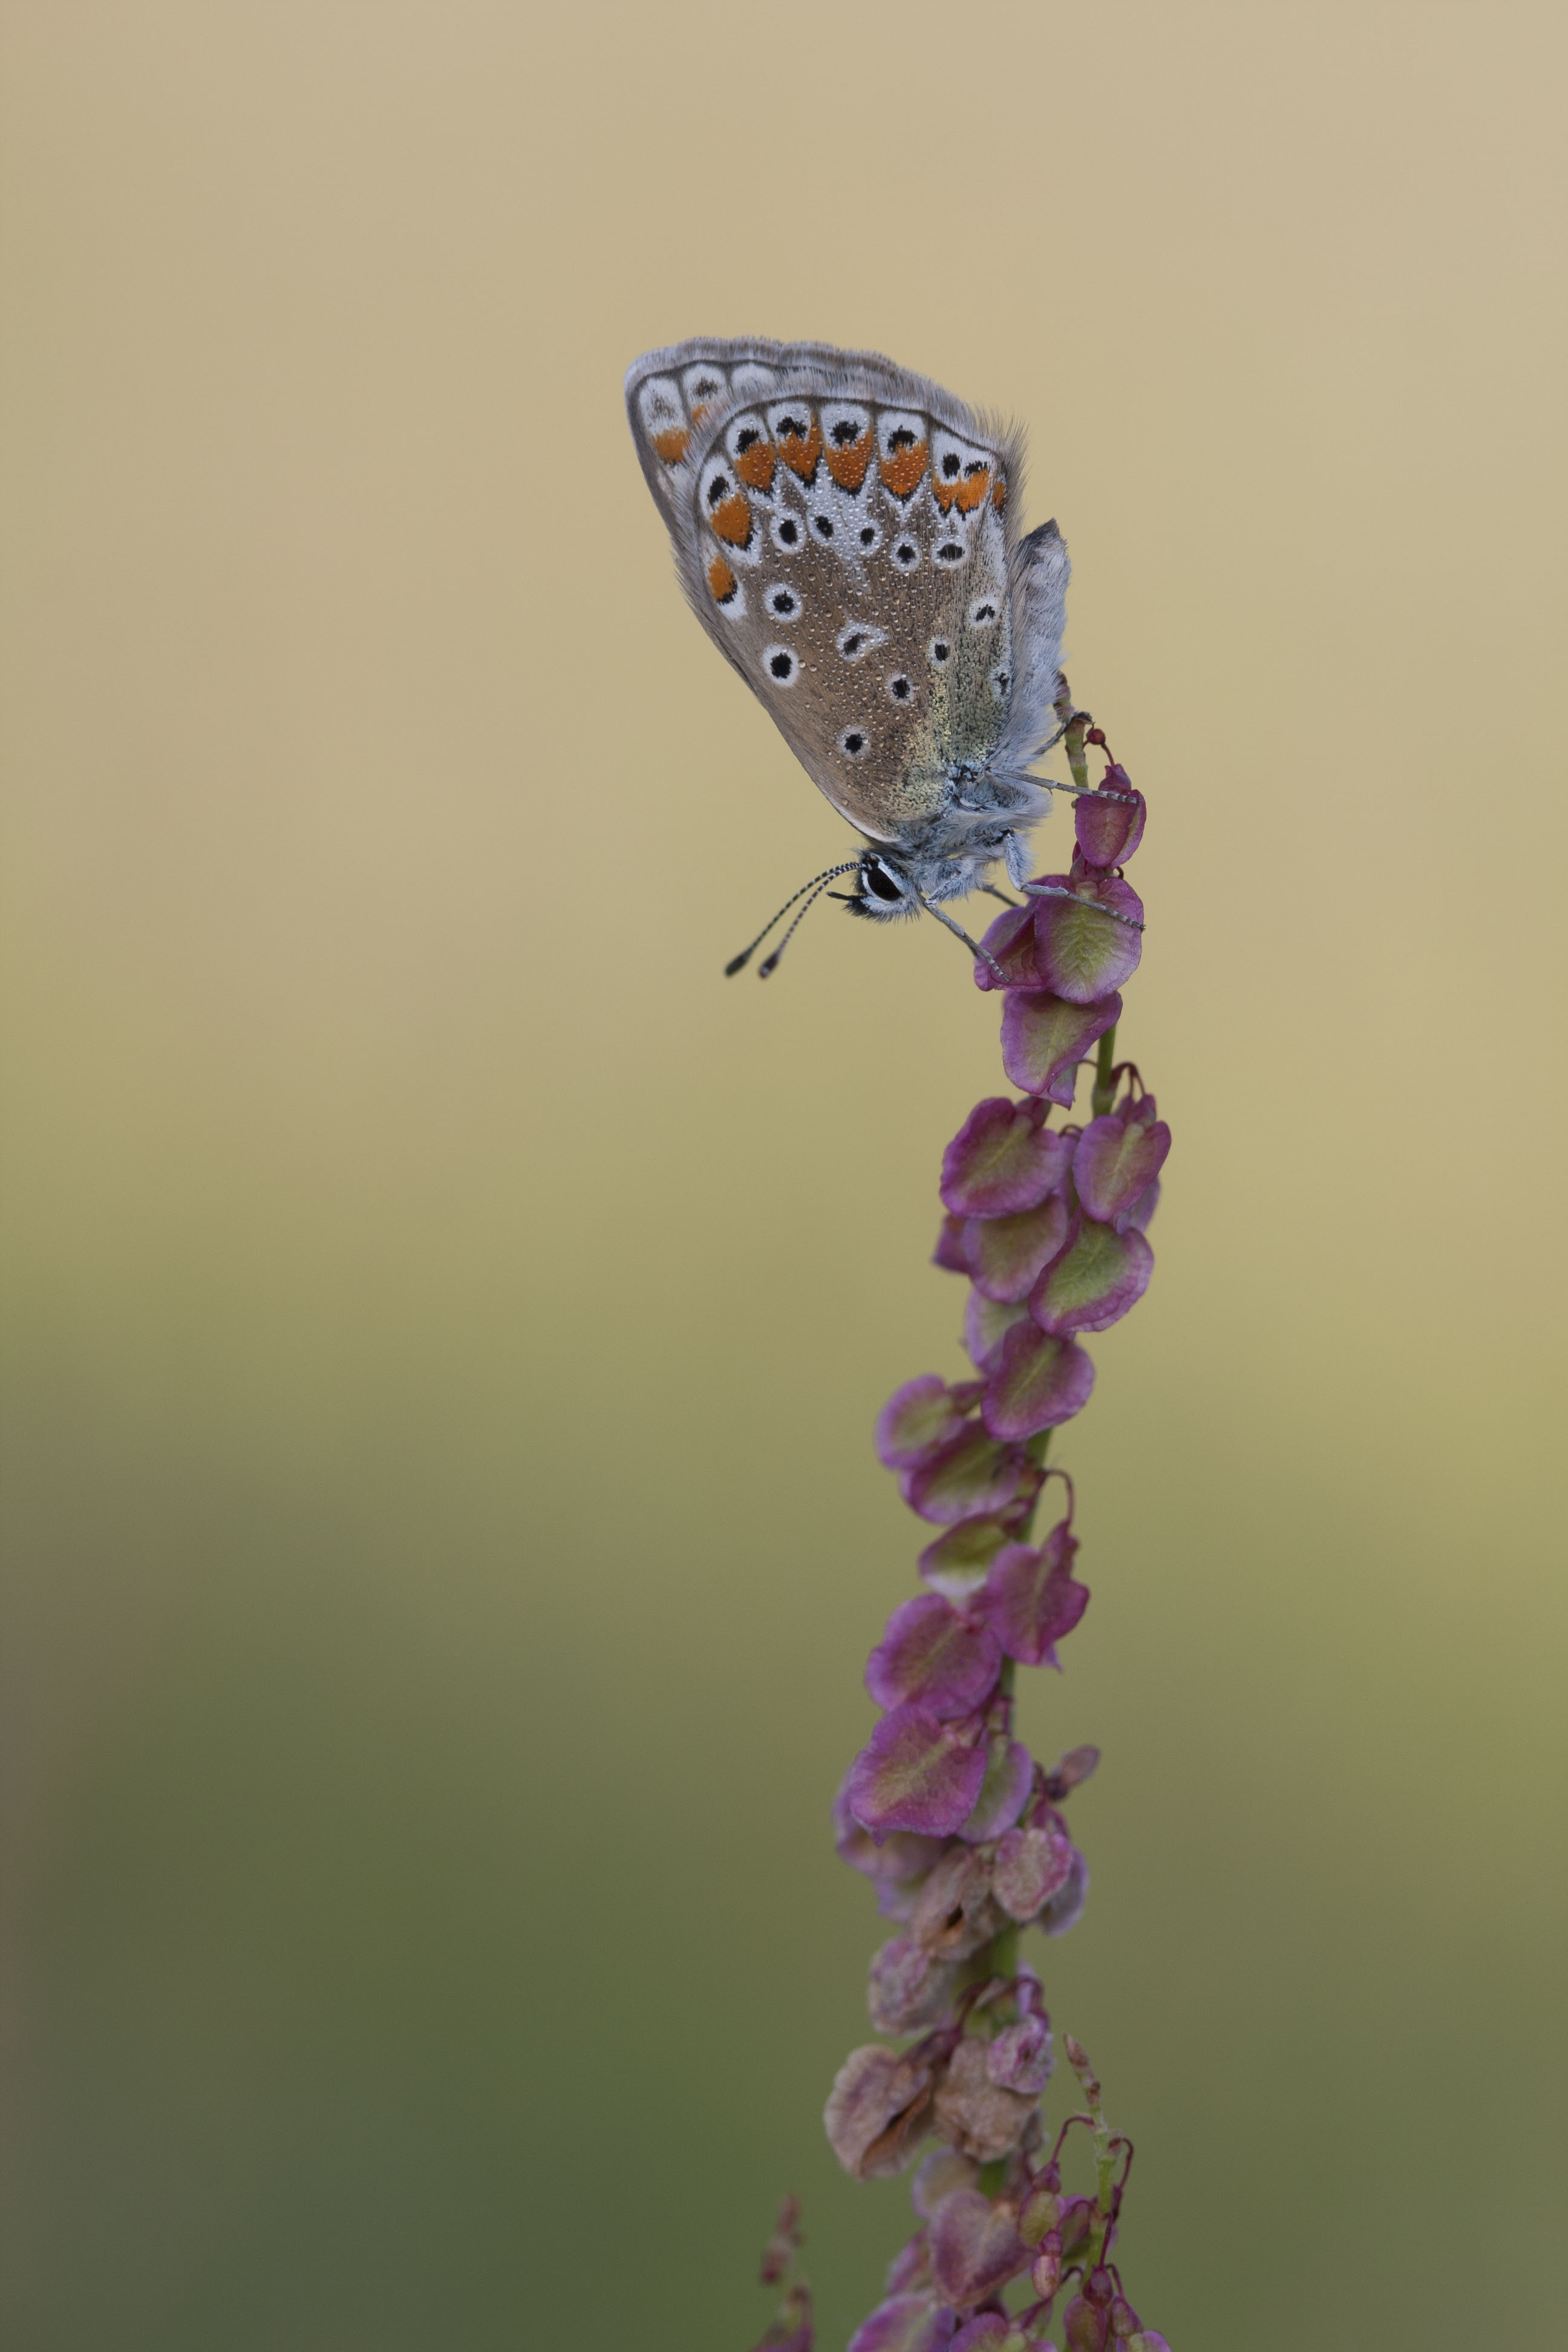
(755,466)
(972,488)
(999,493)
(722,581)
(902,471)
(847,466)
(801,455)
(733,521)
(672,443)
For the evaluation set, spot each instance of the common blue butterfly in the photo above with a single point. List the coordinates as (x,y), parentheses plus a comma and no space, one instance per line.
(847,535)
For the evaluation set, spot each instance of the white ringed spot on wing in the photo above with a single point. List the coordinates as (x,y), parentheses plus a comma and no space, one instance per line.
(858,640)
(781,664)
(900,689)
(939,653)
(855,741)
(985,612)
(788,532)
(905,552)
(784,603)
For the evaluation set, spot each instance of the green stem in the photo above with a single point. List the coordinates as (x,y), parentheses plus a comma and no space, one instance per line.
(1104,1093)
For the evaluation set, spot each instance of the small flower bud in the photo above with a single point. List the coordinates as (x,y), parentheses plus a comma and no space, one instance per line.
(911,1988)
(1030,1599)
(929,1653)
(1004,1160)
(1039,1380)
(1003,1793)
(1069,1771)
(916,1772)
(989,2332)
(1110,822)
(1007,1256)
(910,2266)
(1043,1038)
(1077,2059)
(1088,935)
(917,1420)
(1047,2275)
(1020,2057)
(957,1563)
(905,2323)
(940,2173)
(954,1915)
(975,1474)
(1086,2325)
(974,2249)
(792,2331)
(780,2249)
(1040,2214)
(879,2110)
(1078,2219)
(972,2113)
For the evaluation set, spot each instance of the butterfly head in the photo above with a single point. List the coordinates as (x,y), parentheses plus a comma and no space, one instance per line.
(880,888)
(950,856)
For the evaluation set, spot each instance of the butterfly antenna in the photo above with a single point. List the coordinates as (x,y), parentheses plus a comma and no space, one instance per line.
(981,955)
(738,964)
(770,962)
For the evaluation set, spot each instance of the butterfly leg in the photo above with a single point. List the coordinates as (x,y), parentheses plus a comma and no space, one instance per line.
(981,955)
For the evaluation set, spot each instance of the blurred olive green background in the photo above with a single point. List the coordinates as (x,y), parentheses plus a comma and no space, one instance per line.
(444,1319)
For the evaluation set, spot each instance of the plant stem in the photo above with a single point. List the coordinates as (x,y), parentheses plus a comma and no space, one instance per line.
(1073,743)
(1104,1093)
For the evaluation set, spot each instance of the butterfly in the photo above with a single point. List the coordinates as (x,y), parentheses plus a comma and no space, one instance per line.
(847,533)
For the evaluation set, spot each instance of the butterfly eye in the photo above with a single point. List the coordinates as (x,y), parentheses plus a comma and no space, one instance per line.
(875,882)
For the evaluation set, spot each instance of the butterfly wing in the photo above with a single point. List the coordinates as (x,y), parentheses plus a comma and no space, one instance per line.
(844,533)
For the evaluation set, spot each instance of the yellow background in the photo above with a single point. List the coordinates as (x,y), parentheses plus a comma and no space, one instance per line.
(445,1318)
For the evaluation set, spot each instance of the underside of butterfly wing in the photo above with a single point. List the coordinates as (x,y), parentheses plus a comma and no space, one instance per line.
(846,532)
